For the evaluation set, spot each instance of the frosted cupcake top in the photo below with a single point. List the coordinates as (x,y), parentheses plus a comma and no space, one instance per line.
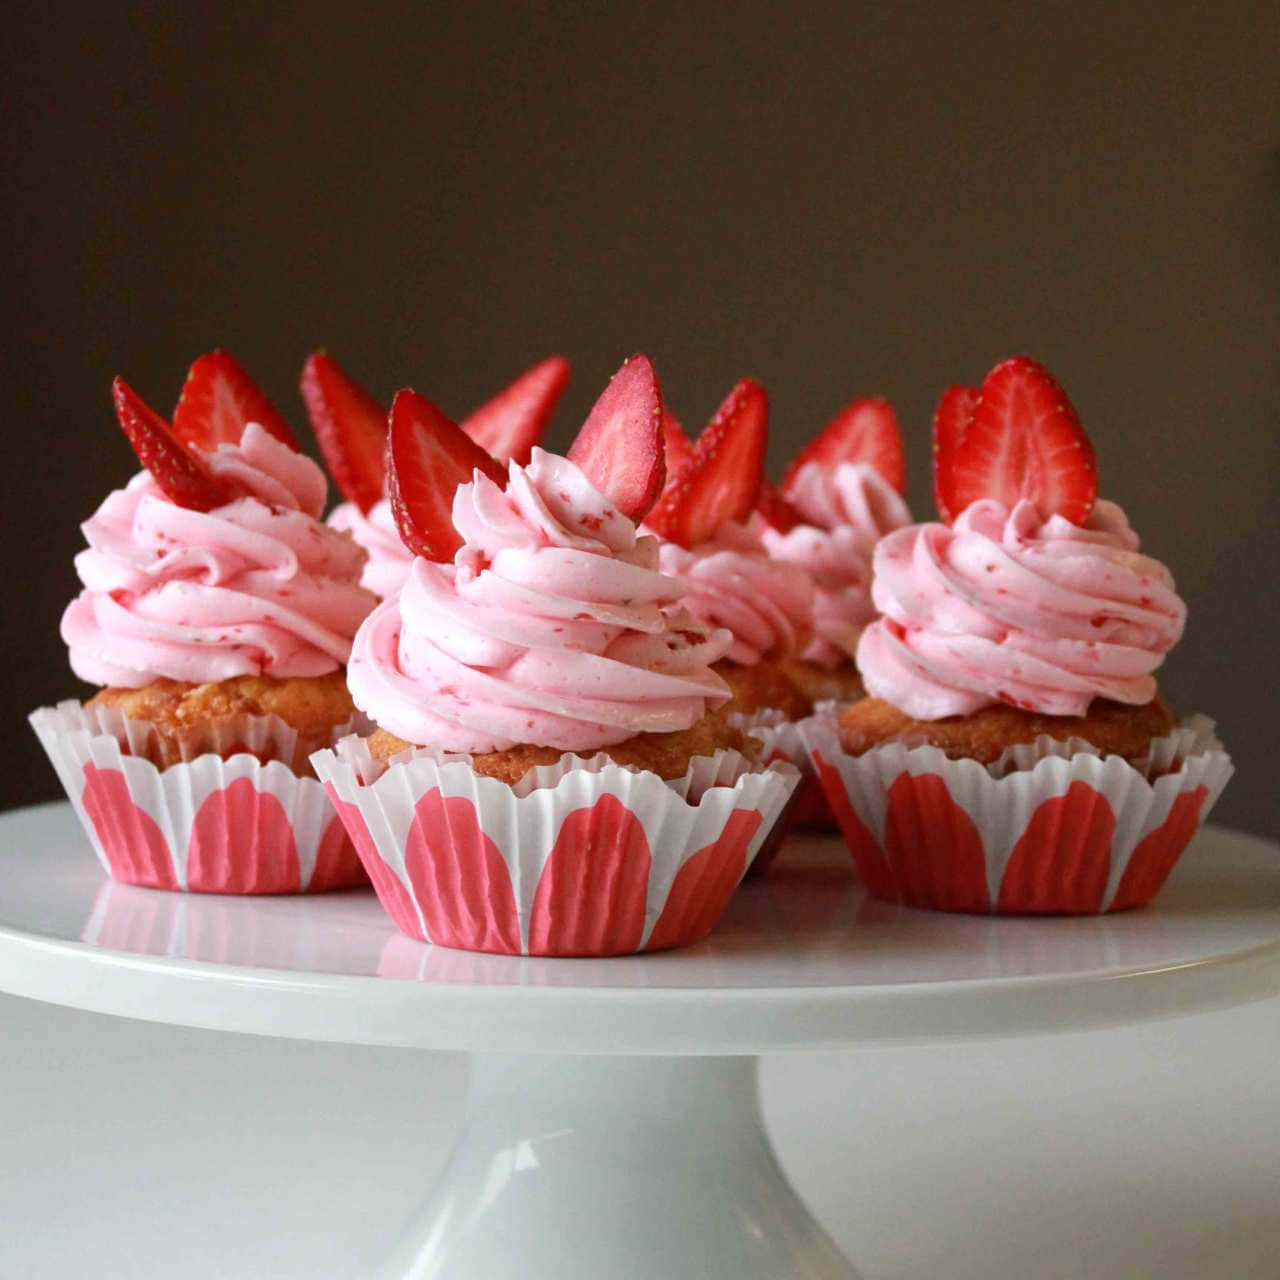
(1006,606)
(387,567)
(552,626)
(255,586)
(846,510)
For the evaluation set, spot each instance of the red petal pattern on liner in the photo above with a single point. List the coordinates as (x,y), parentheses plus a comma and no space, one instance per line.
(703,886)
(868,857)
(459,879)
(337,864)
(386,884)
(1153,858)
(134,846)
(1061,862)
(934,847)
(242,842)
(591,895)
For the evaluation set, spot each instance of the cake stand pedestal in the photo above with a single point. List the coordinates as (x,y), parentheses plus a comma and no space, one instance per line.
(613,1128)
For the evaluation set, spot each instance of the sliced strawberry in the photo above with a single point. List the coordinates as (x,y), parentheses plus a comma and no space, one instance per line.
(722,482)
(217,399)
(351,427)
(1024,440)
(864,430)
(677,448)
(182,475)
(620,447)
(950,420)
(778,513)
(428,457)
(509,425)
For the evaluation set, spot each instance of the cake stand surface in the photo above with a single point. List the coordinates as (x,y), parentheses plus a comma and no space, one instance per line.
(612,1127)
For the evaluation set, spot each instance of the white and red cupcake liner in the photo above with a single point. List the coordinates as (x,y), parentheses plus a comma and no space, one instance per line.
(1050,828)
(580,858)
(244,824)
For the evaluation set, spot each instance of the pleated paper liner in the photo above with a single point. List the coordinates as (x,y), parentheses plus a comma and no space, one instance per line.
(246,824)
(1050,828)
(581,858)
(807,809)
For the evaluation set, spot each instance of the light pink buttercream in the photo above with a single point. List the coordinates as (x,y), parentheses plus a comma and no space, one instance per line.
(1004,606)
(847,510)
(551,628)
(375,530)
(731,582)
(258,586)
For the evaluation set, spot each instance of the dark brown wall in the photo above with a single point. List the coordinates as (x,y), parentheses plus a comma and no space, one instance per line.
(877,198)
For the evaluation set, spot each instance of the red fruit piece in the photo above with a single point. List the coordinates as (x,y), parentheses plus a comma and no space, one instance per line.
(676,445)
(182,476)
(428,457)
(778,513)
(218,398)
(864,430)
(351,427)
(723,480)
(509,425)
(950,420)
(620,447)
(1024,440)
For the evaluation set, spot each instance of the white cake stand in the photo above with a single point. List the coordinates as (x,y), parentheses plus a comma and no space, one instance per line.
(613,1127)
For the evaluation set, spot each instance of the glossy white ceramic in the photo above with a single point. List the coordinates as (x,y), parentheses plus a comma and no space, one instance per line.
(578,1164)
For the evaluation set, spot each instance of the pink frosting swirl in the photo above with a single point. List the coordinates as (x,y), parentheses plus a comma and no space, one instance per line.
(387,568)
(258,586)
(1005,606)
(731,582)
(848,510)
(551,628)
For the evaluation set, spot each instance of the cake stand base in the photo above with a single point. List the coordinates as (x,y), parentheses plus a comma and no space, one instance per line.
(614,1168)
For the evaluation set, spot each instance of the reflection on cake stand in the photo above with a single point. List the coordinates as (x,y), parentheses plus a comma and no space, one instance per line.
(613,1127)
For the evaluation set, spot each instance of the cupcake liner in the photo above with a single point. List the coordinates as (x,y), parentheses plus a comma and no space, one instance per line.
(807,809)
(1050,828)
(581,858)
(208,824)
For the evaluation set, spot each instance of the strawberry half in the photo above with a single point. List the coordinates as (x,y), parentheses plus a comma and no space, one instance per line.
(182,476)
(778,513)
(351,427)
(620,447)
(722,481)
(677,448)
(865,430)
(1024,440)
(950,420)
(509,425)
(217,399)
(428,457)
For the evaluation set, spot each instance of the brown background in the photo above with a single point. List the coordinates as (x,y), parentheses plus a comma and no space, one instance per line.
(835,199)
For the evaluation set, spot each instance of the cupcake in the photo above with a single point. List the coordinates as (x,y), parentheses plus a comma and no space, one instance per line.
(351,427)
(1013,754)
(547,775)
(709,543)
(217,617)
(839,497)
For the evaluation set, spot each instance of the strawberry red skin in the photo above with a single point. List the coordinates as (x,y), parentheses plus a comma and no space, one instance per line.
(428,457)
(722,481)
(182,476)
(777,512)
(865,430)
(508,426)
(1023,441)
(218,398)
(620,448)
(950,419)
(351,427)
(677,448)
